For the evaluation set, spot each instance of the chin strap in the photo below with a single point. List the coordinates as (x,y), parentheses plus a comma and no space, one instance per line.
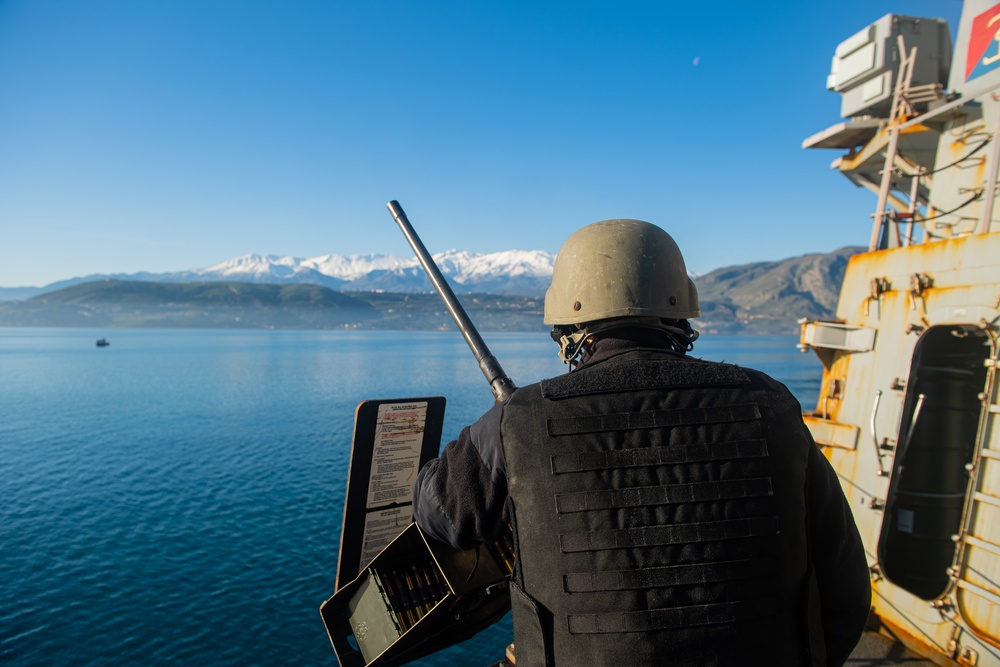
(570,344)
(683,340)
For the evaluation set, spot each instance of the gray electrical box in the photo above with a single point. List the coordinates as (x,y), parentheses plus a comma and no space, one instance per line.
(865,66)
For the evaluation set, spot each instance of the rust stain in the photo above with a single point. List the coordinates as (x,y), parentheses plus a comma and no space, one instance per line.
(914,129)
(957,148)
(832,388)
(916,644)
(923,257)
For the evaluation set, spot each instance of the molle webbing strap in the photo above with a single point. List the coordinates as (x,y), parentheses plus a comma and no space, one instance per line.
(646,419)
(646,496)
(664,577)
(668,619)
(655,456)
(636,374)
(681,533)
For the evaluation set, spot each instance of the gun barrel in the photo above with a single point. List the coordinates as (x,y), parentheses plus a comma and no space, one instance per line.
(500,384)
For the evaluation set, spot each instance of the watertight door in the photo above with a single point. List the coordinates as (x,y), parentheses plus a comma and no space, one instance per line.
(938,445)
(978,574)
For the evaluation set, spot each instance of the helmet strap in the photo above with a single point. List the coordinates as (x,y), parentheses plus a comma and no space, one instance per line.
(571,340)
(681,339)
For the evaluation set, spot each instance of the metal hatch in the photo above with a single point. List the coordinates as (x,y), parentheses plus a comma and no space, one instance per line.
(939,443)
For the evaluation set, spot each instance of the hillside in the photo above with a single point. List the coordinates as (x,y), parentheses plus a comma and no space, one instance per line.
(758,298)
(771,296)
(120,303)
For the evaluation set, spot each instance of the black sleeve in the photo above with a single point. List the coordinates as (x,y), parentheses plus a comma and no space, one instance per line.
(459,498)
(839,560)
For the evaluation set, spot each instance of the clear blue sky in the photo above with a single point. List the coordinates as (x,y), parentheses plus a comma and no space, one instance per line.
(166,135)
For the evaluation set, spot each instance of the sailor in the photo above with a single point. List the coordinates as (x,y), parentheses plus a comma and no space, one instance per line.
(665,510)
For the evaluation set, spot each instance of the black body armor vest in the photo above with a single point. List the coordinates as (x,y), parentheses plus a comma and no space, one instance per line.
(658,506)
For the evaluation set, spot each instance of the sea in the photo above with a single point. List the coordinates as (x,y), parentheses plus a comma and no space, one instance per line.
(176,497)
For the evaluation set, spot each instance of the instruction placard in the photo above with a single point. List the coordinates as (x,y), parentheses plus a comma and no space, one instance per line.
(382,527)
(399,433)
(393,438)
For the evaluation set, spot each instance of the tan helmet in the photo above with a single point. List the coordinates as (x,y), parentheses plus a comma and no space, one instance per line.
(619,268)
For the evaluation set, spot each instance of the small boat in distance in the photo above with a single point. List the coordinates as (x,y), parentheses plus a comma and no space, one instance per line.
(102,342)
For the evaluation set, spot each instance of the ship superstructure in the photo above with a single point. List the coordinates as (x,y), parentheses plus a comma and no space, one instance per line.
(908,409)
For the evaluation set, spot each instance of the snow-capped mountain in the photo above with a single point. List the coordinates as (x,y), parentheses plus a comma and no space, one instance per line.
(515,272)
(510,272)
(353,267)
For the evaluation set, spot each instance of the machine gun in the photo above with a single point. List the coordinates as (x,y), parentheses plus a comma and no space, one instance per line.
(499,382)
(417,595)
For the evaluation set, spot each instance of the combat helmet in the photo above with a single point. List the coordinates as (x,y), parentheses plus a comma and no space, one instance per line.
(617,269)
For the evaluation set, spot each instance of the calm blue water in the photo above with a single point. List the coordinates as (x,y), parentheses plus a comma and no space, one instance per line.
(176,498)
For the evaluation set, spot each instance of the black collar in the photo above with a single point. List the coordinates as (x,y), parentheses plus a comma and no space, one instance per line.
(625,339)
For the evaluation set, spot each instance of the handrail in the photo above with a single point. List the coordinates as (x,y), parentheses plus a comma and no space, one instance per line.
(878,454)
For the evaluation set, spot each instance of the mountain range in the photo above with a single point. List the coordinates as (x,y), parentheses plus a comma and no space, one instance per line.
(501,291)
(513,272)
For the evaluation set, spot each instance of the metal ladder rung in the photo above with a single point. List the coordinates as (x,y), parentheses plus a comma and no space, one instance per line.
(995,409)
(980,543)
(978,590)
(987,498)
(990,454)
